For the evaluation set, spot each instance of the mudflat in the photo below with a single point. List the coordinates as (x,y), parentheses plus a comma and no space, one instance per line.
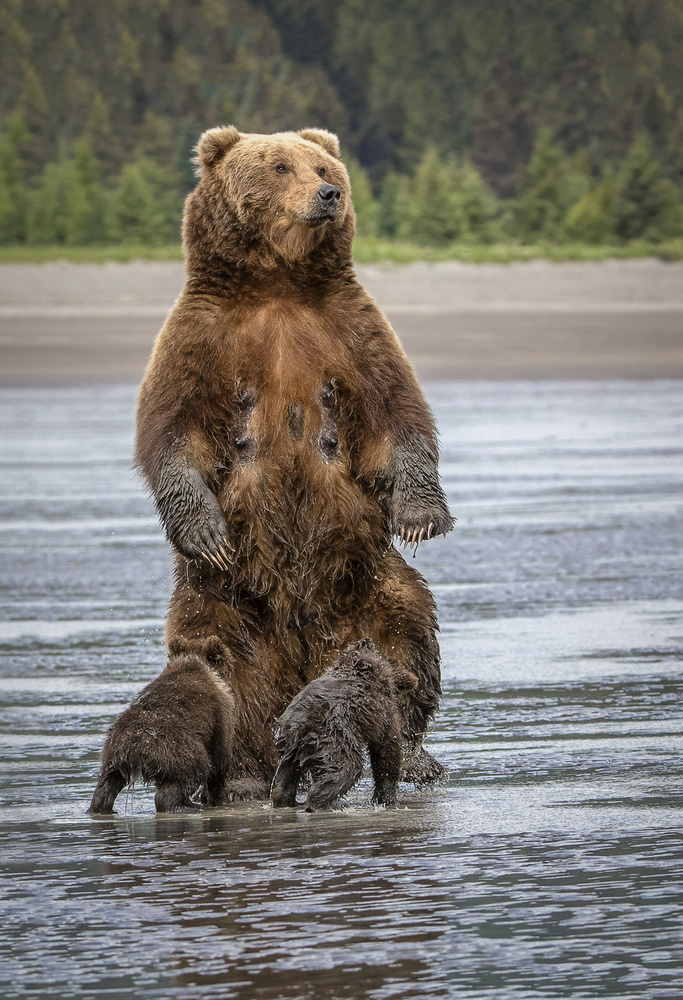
(71,324)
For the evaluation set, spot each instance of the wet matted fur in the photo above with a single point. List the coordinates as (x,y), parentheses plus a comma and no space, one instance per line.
(325,731)
(178,734)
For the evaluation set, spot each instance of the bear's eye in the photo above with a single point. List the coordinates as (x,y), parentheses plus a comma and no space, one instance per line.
(321,171)
(282,168)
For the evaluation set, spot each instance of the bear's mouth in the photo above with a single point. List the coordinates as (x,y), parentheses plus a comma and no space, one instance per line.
(320,218)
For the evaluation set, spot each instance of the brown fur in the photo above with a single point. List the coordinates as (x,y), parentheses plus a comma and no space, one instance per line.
(325,730)
(285,439)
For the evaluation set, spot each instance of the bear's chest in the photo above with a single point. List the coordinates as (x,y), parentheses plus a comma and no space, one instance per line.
(289,361)
(291,347)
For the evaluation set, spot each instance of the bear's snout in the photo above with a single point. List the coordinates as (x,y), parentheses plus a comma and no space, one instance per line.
(328,198)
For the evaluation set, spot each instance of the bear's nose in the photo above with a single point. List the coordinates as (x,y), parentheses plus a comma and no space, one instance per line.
(328,196)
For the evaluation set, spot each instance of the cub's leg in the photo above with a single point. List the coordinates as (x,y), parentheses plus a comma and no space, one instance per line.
(385,760)
(108,787)
(286,783)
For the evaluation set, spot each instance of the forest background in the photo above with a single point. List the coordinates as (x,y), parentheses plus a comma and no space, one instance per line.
(479,129)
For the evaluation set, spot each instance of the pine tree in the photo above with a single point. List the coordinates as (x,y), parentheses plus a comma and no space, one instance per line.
(70,207)
(363,201)
(145,204)
(550,185)
(647,204)
(390,200)
(34,111)
(592,218)
(478,206)
(99,134)
(433,214)
(12,193)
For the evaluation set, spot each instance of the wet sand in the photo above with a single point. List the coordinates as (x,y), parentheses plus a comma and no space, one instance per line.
(71,324)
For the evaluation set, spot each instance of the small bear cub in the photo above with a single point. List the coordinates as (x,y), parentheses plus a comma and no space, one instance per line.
(323,733)
(147,743)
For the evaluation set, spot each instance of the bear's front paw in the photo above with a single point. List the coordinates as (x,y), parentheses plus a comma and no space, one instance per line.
(412,524)
(207,539)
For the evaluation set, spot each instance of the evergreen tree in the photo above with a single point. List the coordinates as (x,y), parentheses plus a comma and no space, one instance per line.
(445,202)
(647,204)
(12,192)
(34,111)
(146,207)
(433,214)
(390,201)
(592,218)
(363,202)
(70,207)
(478,206)
(550,185)
(99,134)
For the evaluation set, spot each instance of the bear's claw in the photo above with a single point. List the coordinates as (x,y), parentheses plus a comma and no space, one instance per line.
(218,556)
(412,528)
(416,536)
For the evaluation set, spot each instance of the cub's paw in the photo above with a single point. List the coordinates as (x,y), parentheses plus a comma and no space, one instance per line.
(421,768)
(412,524)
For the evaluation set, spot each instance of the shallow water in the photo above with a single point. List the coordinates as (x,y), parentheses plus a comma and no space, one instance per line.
(550,862)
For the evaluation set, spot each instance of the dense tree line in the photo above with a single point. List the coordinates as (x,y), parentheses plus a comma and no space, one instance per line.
(480,78)
(475,121)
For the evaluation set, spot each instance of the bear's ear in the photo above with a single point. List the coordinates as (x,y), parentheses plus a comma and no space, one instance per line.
(322,137)
(177,647)
(214,144)
(215,652)
(406,680)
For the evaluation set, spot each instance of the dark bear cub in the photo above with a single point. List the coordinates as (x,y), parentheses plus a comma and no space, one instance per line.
(326,728)
(147,743)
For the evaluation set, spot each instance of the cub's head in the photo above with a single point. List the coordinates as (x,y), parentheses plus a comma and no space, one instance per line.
(289,189)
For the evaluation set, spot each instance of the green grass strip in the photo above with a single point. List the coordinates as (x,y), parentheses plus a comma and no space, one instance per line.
(369,250)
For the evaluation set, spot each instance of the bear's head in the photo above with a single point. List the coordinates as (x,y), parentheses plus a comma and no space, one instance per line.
(211,649)
(286,193)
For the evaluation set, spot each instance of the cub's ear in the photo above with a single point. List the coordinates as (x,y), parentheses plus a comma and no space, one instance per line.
(406,680)
(215,652)
(177,647)
(213,145)
(322,137)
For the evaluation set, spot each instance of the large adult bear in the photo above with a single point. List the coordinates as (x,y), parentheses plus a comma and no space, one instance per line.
(285,439)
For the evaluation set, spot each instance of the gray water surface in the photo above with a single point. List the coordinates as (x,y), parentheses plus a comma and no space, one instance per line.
(550,862)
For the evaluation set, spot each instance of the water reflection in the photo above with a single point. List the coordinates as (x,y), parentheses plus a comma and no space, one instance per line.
(547,865)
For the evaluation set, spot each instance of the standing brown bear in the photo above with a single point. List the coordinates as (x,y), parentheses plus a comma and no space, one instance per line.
(285,439)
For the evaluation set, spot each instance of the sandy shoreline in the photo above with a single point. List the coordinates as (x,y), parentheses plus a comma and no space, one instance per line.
(64,324)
